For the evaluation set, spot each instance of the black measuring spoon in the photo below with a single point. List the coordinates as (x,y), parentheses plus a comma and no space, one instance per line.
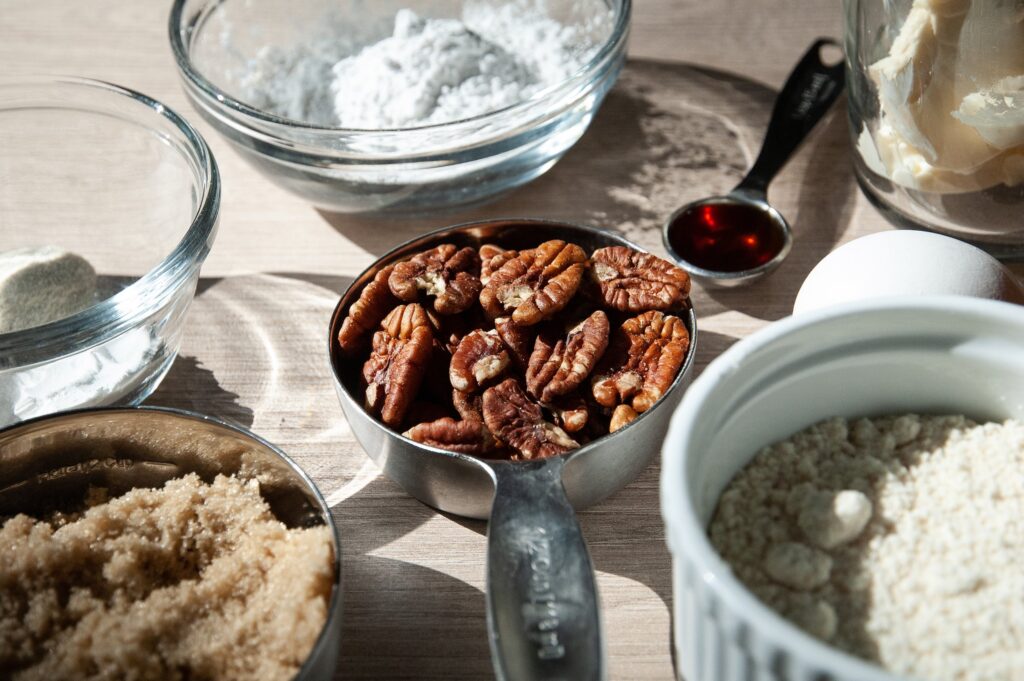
(736,239)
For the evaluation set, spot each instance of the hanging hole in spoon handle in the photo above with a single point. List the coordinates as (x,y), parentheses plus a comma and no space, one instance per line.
(805,99)
(542,608)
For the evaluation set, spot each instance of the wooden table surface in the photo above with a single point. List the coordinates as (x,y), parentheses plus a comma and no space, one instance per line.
(684,121)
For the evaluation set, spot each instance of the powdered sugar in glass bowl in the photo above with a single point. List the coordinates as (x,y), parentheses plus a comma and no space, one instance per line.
(329,100)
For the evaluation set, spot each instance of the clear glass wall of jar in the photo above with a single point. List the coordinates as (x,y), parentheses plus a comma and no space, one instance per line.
(936,105)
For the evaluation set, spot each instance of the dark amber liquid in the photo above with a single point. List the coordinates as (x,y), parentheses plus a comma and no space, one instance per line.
(725,237)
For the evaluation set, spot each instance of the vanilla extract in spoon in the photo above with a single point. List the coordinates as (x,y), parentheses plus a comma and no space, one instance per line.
(726,237)
(735,239)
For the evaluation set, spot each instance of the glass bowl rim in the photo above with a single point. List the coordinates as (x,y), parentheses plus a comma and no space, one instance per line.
(120,312)
(181,52)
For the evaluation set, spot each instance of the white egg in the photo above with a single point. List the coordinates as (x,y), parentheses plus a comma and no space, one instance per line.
(905,262)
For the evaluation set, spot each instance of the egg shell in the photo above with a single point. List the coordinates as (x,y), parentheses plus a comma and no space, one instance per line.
(905,263)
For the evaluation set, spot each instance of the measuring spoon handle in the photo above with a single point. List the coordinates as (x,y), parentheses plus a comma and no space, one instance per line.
(805,98)
(542,609)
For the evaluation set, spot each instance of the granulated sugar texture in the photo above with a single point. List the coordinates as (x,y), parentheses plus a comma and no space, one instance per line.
(897,539)
(429,70)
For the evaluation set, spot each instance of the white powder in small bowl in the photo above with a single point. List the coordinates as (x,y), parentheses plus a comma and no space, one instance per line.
(897,539)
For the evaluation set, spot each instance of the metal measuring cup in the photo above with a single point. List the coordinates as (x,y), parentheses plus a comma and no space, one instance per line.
(48,464)
(542,607)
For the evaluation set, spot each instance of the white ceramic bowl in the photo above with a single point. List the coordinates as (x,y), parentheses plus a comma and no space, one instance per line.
(937,354)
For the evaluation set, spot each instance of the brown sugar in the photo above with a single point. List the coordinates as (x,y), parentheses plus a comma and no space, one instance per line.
(191,581)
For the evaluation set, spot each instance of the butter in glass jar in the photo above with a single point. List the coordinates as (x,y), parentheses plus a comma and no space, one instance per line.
(937,114)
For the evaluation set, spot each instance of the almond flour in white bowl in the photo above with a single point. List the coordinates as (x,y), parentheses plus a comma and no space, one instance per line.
(929,355)
(897,539)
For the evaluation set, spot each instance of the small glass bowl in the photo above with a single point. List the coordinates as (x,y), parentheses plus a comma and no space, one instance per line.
(443,166)
(119,179)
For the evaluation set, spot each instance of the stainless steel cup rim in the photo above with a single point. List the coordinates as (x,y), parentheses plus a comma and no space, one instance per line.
(324,638)
(430,238)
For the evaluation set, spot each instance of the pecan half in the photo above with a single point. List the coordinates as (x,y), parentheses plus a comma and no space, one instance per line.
(535,284)
(469,406)
(646,355)
(515,419)
(632,281)
(622,416)
(464,437)
(571,413)
(397,362)
(518,339)
(488,251)
(480,357)
(373,304)
(446,273)
(492,257)
(557,367)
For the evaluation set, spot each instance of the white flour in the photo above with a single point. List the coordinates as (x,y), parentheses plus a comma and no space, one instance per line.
(428,70)
(898,539)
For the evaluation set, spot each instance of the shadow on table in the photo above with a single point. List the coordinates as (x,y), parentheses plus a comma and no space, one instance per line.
(191,386)
(709,346)
(328,282)
(363,509)
(666,134)
(244,315)
(404,621)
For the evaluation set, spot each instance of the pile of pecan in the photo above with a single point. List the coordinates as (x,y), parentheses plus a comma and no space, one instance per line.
(517,354)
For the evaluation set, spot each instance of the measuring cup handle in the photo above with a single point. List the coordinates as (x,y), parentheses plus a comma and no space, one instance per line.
(542,609)
(805,98)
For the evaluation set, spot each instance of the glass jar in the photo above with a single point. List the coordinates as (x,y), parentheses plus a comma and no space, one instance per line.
(936,105)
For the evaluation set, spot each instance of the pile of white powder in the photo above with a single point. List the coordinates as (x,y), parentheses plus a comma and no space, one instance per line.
(897,539)
(428,71)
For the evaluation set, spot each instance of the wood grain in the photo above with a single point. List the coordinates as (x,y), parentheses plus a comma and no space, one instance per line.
(684,121)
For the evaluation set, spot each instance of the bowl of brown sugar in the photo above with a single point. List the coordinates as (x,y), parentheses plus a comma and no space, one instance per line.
(156,544)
